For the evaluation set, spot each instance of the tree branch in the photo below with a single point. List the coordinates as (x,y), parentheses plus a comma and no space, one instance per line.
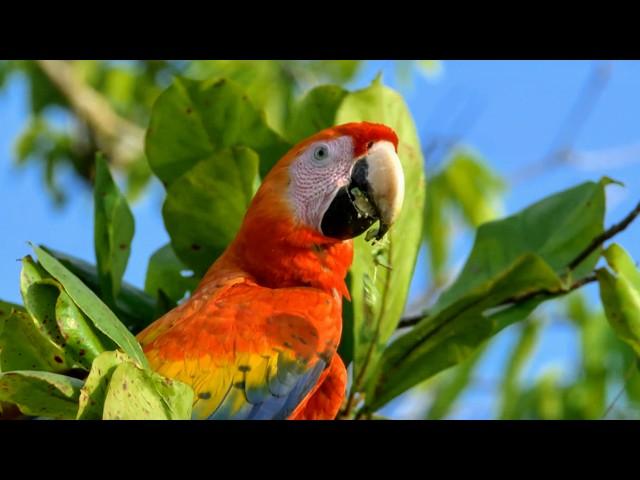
(121,139)
(412,320)
(604,236)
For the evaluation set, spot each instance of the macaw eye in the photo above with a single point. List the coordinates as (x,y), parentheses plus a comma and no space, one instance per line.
(321,153)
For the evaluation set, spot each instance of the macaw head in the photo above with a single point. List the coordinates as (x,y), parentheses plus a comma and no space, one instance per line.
(346,178)
(327,189)
(342,180)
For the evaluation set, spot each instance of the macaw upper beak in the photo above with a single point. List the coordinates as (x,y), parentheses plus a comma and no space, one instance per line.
(375,192)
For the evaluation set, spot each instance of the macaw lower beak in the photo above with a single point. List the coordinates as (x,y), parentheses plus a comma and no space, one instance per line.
(375,193)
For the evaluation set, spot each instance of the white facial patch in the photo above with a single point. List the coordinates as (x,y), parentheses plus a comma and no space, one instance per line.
(318,172)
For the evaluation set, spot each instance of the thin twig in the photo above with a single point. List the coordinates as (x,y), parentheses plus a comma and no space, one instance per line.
(574,286)
(604,236)
(121,139)
(414,319)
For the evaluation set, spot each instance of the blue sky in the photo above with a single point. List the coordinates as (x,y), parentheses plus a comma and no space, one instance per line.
(518,108)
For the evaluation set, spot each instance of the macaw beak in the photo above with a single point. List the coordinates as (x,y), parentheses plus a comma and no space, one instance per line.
(375,193)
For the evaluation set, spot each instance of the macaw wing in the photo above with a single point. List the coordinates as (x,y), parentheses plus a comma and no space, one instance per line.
(251,353)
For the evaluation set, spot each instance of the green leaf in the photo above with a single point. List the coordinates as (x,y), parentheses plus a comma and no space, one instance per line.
(31,272)
(453,334)
(166,273)
(267,84)
(41,393)
(23,346)
(375,320)
(316,111)
(620,294)
(204,208)
(82,342)
(556,228)
(501,266)
(133,306)
(192,120)
(113,231)
(7,309)
(103,318)
(40,302)
(453,387)
(94,390)
(136,394)
(60,322)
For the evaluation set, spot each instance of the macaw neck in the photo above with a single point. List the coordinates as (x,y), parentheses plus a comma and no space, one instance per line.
(279,254)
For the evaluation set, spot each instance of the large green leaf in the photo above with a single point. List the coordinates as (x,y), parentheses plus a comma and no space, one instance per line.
(113,231)
(82,342)
(513,257)
(315,111)
(41,393)
(91,305)
(266,83)
(455,333)
(73,341)
(166,275)
(23,346)
(557,228)
(94,390)
(192,120)
(136,394)
(40,302)
(620,294)
(204,208)
(134,307)
(380,276)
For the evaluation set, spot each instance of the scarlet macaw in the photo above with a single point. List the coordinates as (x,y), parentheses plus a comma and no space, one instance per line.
(258,337)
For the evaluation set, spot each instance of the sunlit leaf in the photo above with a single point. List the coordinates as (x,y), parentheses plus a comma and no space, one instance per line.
(43,394)
(94,390)
(136,394)
(204,208)
(192,120)
(134,307)
(23,346)
(103,318)
(620,294)
(315,111)
(113,231)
